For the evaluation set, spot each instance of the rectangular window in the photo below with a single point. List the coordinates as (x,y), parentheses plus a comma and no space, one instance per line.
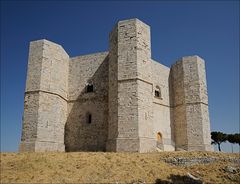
(89,119)
(157,93)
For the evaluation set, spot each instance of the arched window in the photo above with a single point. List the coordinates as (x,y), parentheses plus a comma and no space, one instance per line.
(89,88)
(157,92)
(159,137)
(88,118)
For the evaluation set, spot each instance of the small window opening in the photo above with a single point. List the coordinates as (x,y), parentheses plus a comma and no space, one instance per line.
(89,118)
(89,88)
(158,92)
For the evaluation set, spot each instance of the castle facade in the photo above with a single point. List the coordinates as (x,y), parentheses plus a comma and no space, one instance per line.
(120,100)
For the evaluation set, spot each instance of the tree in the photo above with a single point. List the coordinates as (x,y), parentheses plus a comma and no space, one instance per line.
(218,138)
(234,139)
(237,138)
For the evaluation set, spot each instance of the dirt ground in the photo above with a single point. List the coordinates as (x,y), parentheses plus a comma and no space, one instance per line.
(99,167)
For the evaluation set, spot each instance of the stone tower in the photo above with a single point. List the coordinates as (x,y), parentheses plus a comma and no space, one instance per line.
(130,95)
(45,101)
(190,104)
(119,100)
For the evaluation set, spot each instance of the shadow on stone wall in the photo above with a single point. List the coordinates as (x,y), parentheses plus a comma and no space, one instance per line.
(80,135)
(171,104)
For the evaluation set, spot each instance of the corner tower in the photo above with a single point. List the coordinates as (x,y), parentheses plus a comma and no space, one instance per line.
(45,101)
(190,104)
(130,88)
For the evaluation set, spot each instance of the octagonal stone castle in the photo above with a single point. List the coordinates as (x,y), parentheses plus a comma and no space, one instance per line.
(120,100)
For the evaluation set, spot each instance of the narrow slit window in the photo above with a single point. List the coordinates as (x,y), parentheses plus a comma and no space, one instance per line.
(89,118)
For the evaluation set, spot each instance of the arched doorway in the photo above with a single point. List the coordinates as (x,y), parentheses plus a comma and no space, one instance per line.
(159,141)
(159,137)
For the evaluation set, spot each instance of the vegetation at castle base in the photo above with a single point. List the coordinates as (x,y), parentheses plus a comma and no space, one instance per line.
(220,137)
(99,167)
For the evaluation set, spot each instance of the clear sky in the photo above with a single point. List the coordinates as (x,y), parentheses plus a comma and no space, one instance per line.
(204,28)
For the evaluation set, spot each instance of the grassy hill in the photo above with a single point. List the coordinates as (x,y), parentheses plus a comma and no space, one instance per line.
(98,167)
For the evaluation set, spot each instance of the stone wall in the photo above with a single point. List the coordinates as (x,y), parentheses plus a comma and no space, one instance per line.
(123,109)
(145,88)
(130,117)
(119,100)
(80,135)
(113,91)
(45,110)
(30,122)
(191,118)
(161,106)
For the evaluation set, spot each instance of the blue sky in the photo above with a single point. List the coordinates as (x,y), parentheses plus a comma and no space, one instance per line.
(209,29)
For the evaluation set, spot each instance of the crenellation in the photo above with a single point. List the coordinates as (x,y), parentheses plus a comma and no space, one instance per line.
(118,100)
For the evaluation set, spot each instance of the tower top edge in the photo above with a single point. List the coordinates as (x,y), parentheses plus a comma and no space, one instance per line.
(48,42)
(193,58)
(135,20)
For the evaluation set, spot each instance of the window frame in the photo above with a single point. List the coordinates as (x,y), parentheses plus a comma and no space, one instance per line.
(89,88)
(158,92)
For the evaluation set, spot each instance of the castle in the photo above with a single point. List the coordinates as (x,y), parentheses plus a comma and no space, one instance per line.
(120,100)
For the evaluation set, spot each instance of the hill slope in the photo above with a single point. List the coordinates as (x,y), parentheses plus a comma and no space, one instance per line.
(98,167)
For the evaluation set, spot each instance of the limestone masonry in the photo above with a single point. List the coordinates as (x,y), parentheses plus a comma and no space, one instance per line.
(121,100)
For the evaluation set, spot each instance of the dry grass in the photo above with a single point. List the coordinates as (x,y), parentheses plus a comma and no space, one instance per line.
(83,167)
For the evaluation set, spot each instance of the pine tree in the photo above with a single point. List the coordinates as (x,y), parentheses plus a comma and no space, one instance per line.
(218,138)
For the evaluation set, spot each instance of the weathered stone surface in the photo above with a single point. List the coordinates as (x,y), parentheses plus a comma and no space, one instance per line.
(121,100)
(45,105)
(186,161)
(130,65)
(79,134)
(190,104)
(230,169)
